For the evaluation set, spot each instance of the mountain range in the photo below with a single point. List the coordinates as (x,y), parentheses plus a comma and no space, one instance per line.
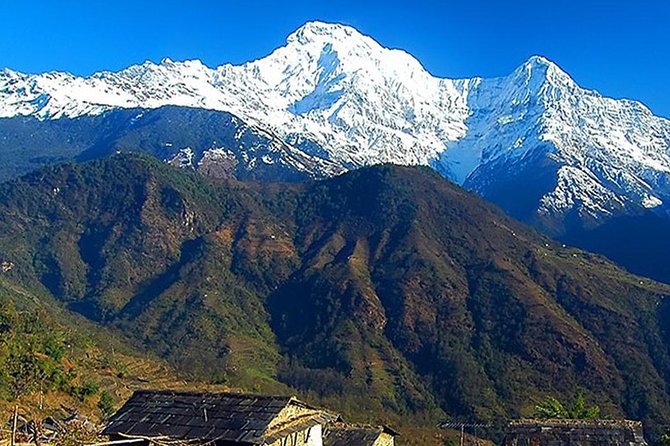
(337,94)
(415,300)
(575,164)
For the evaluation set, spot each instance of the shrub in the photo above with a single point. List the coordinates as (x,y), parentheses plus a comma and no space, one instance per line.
(106,403)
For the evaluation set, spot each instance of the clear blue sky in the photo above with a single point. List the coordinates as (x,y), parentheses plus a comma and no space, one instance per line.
(621,48)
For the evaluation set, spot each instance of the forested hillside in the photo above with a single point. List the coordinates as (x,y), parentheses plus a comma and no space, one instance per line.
(385,292)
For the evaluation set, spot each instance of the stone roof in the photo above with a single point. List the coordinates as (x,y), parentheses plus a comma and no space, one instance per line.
(227,416)
(574,433)
(352,435)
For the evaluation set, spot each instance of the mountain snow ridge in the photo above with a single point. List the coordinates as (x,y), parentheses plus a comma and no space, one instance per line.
(338,94)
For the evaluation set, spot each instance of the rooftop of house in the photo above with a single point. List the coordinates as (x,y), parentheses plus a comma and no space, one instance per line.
(575,422)
(225,417)
(340,434)
(575,432)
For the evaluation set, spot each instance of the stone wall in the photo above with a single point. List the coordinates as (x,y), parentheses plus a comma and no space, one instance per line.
(574,433)
(385,440)
(309,437)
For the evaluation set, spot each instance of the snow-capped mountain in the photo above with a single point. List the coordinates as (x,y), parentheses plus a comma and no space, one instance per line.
(533,141)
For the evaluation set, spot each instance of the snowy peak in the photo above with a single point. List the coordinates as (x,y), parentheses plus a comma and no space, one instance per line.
(543,66)
(356,52)
(321,32)
(370,98)
(349,42)
(542,77)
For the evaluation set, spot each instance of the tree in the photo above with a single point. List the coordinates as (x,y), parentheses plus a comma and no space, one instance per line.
(24,369)
(576,409)
(551,408)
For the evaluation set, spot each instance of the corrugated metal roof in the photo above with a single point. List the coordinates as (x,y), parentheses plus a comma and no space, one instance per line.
(197,416)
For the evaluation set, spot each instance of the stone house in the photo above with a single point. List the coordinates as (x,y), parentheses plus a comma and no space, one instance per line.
(227,419)
(340,434)
(157,417)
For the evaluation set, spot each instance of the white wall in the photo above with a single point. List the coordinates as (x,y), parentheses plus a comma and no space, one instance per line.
(315,436)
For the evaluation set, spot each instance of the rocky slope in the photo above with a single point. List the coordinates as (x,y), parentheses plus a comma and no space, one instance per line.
(218,144)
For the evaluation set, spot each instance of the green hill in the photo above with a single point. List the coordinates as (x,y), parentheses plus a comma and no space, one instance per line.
(387,292)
